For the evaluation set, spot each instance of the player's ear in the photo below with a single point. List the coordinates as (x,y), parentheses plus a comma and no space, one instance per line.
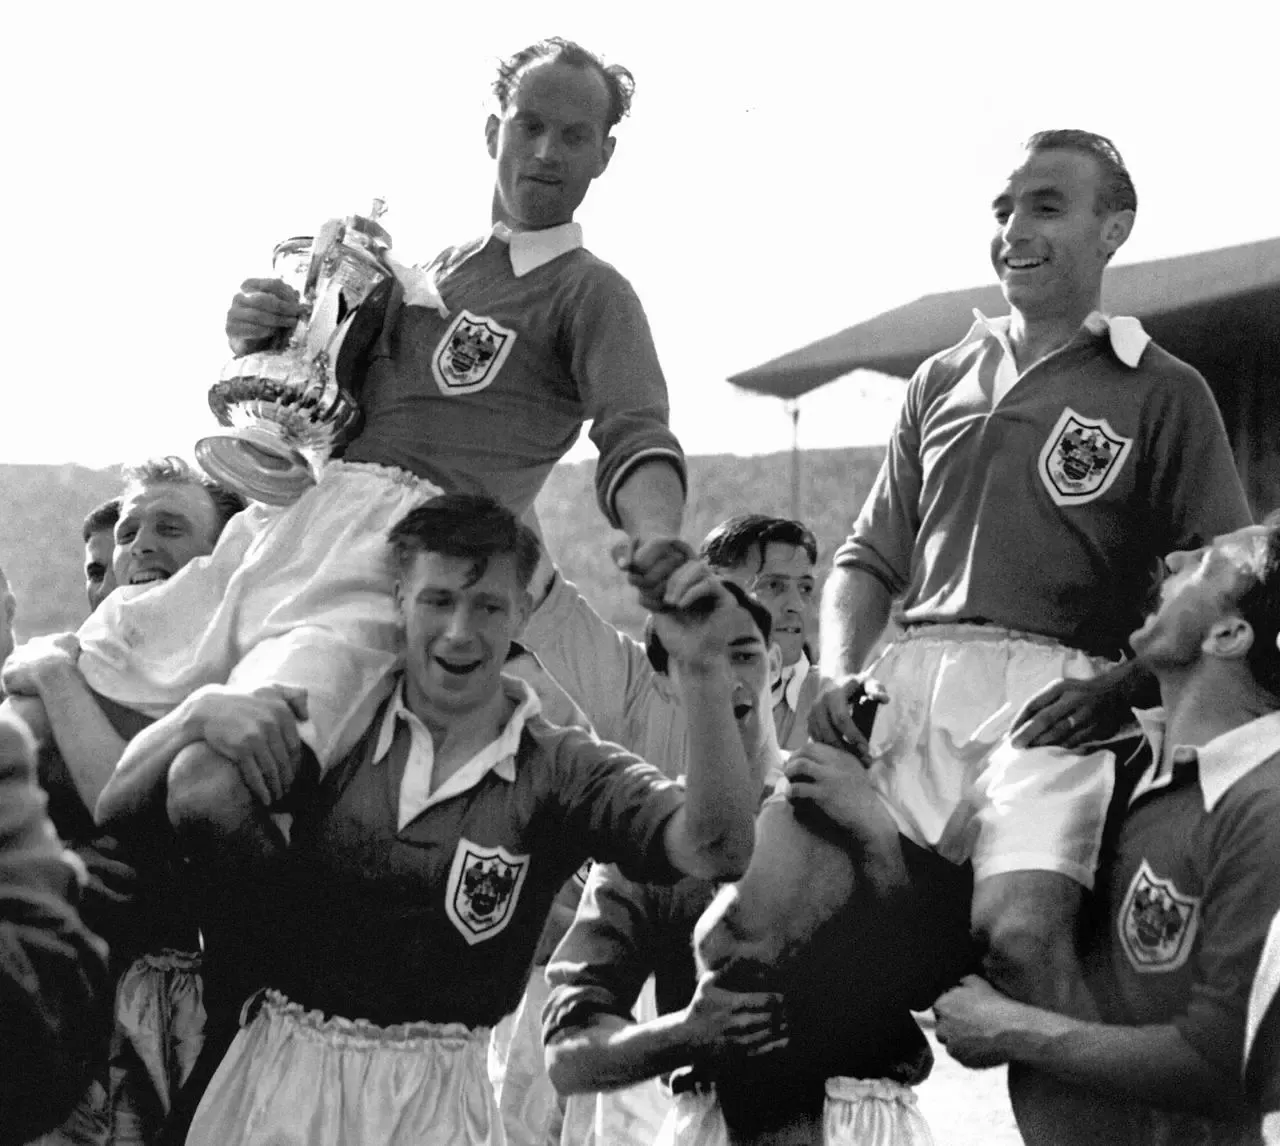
(606,154)
(1116,230)
(1229,638)
(491,136)
(775,663)
(524,607)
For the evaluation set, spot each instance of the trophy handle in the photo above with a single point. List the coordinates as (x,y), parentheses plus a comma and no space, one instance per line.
(328,237)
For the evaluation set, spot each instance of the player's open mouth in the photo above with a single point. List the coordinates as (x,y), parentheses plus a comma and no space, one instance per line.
(1023,264)
(741,711)
(543,180)
(458,668)
(148,576)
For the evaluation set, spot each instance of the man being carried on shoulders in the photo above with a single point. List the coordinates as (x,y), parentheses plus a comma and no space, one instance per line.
(1037,473)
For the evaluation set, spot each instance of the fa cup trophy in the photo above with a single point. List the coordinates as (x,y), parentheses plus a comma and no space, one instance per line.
(289,405)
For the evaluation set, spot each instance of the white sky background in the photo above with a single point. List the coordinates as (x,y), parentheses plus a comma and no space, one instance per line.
(788,170)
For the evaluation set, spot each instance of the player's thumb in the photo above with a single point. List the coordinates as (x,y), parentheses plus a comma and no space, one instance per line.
(296,699)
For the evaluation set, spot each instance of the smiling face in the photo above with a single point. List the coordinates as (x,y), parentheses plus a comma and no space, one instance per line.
(163,526)
(550,142)
(99,577)
(1051,243)
(458,629)
(785,585)
(1200,591)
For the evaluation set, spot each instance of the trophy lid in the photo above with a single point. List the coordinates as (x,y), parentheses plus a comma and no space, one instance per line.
(369,226)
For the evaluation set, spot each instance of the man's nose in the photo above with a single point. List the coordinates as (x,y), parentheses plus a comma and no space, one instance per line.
(459,626)
(546,149)
(1017,226)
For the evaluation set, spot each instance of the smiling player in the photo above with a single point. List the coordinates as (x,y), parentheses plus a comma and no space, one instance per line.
(1038,471)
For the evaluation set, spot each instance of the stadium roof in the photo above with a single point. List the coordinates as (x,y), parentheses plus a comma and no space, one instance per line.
(1208,303)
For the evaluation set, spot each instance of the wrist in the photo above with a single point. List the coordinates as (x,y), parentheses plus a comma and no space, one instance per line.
(693,1039)
(1033,1036)
(193,713)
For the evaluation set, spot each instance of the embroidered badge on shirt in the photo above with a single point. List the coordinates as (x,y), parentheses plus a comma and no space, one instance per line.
(471,353)
(1081,458)
(484,885)
(1157,923)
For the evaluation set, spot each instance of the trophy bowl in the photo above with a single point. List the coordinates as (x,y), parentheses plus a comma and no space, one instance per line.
(289,406)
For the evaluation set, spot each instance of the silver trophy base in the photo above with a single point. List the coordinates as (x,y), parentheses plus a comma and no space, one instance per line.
(257,463)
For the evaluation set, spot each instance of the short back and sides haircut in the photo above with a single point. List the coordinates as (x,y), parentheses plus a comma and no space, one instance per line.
(621,84)
(745,538)
(1116,191)
(474,528)
(1259,604)
(657,653)
(100,519)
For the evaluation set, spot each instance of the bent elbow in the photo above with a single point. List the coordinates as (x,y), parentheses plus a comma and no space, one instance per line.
(727,860)
(562,1071)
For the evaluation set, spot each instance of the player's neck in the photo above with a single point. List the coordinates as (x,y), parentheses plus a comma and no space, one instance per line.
(1206,701)
(498,214)
(456,737)
(1034,337)
(767,757)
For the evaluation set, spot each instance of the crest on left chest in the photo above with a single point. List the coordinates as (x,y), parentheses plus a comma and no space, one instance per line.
(1081,458)
(1157,923)
(484,887)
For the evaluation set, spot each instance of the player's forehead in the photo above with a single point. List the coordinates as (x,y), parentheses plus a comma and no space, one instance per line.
(781,558)
(448,573)
(1055,171)
(1244,549)
(181,501)
(743,632)
(550,89)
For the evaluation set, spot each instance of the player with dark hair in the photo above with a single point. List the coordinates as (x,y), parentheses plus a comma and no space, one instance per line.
(774,558)
(99,535)
(627,930)
(1116,191)
(421,868)
(1036,474)
(1182,942)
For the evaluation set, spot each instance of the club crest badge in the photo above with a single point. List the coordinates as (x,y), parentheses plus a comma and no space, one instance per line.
(1081,458)
(1157,923)
(470,354)
(484,885)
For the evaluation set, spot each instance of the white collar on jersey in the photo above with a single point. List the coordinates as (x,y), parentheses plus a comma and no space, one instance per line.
(791,681)
(498,756)
(532,249)
(1128,339)
(1225,760)
(528,250)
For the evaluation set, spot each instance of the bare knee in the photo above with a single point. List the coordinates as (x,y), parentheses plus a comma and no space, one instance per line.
(1027,925)
(206,793)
